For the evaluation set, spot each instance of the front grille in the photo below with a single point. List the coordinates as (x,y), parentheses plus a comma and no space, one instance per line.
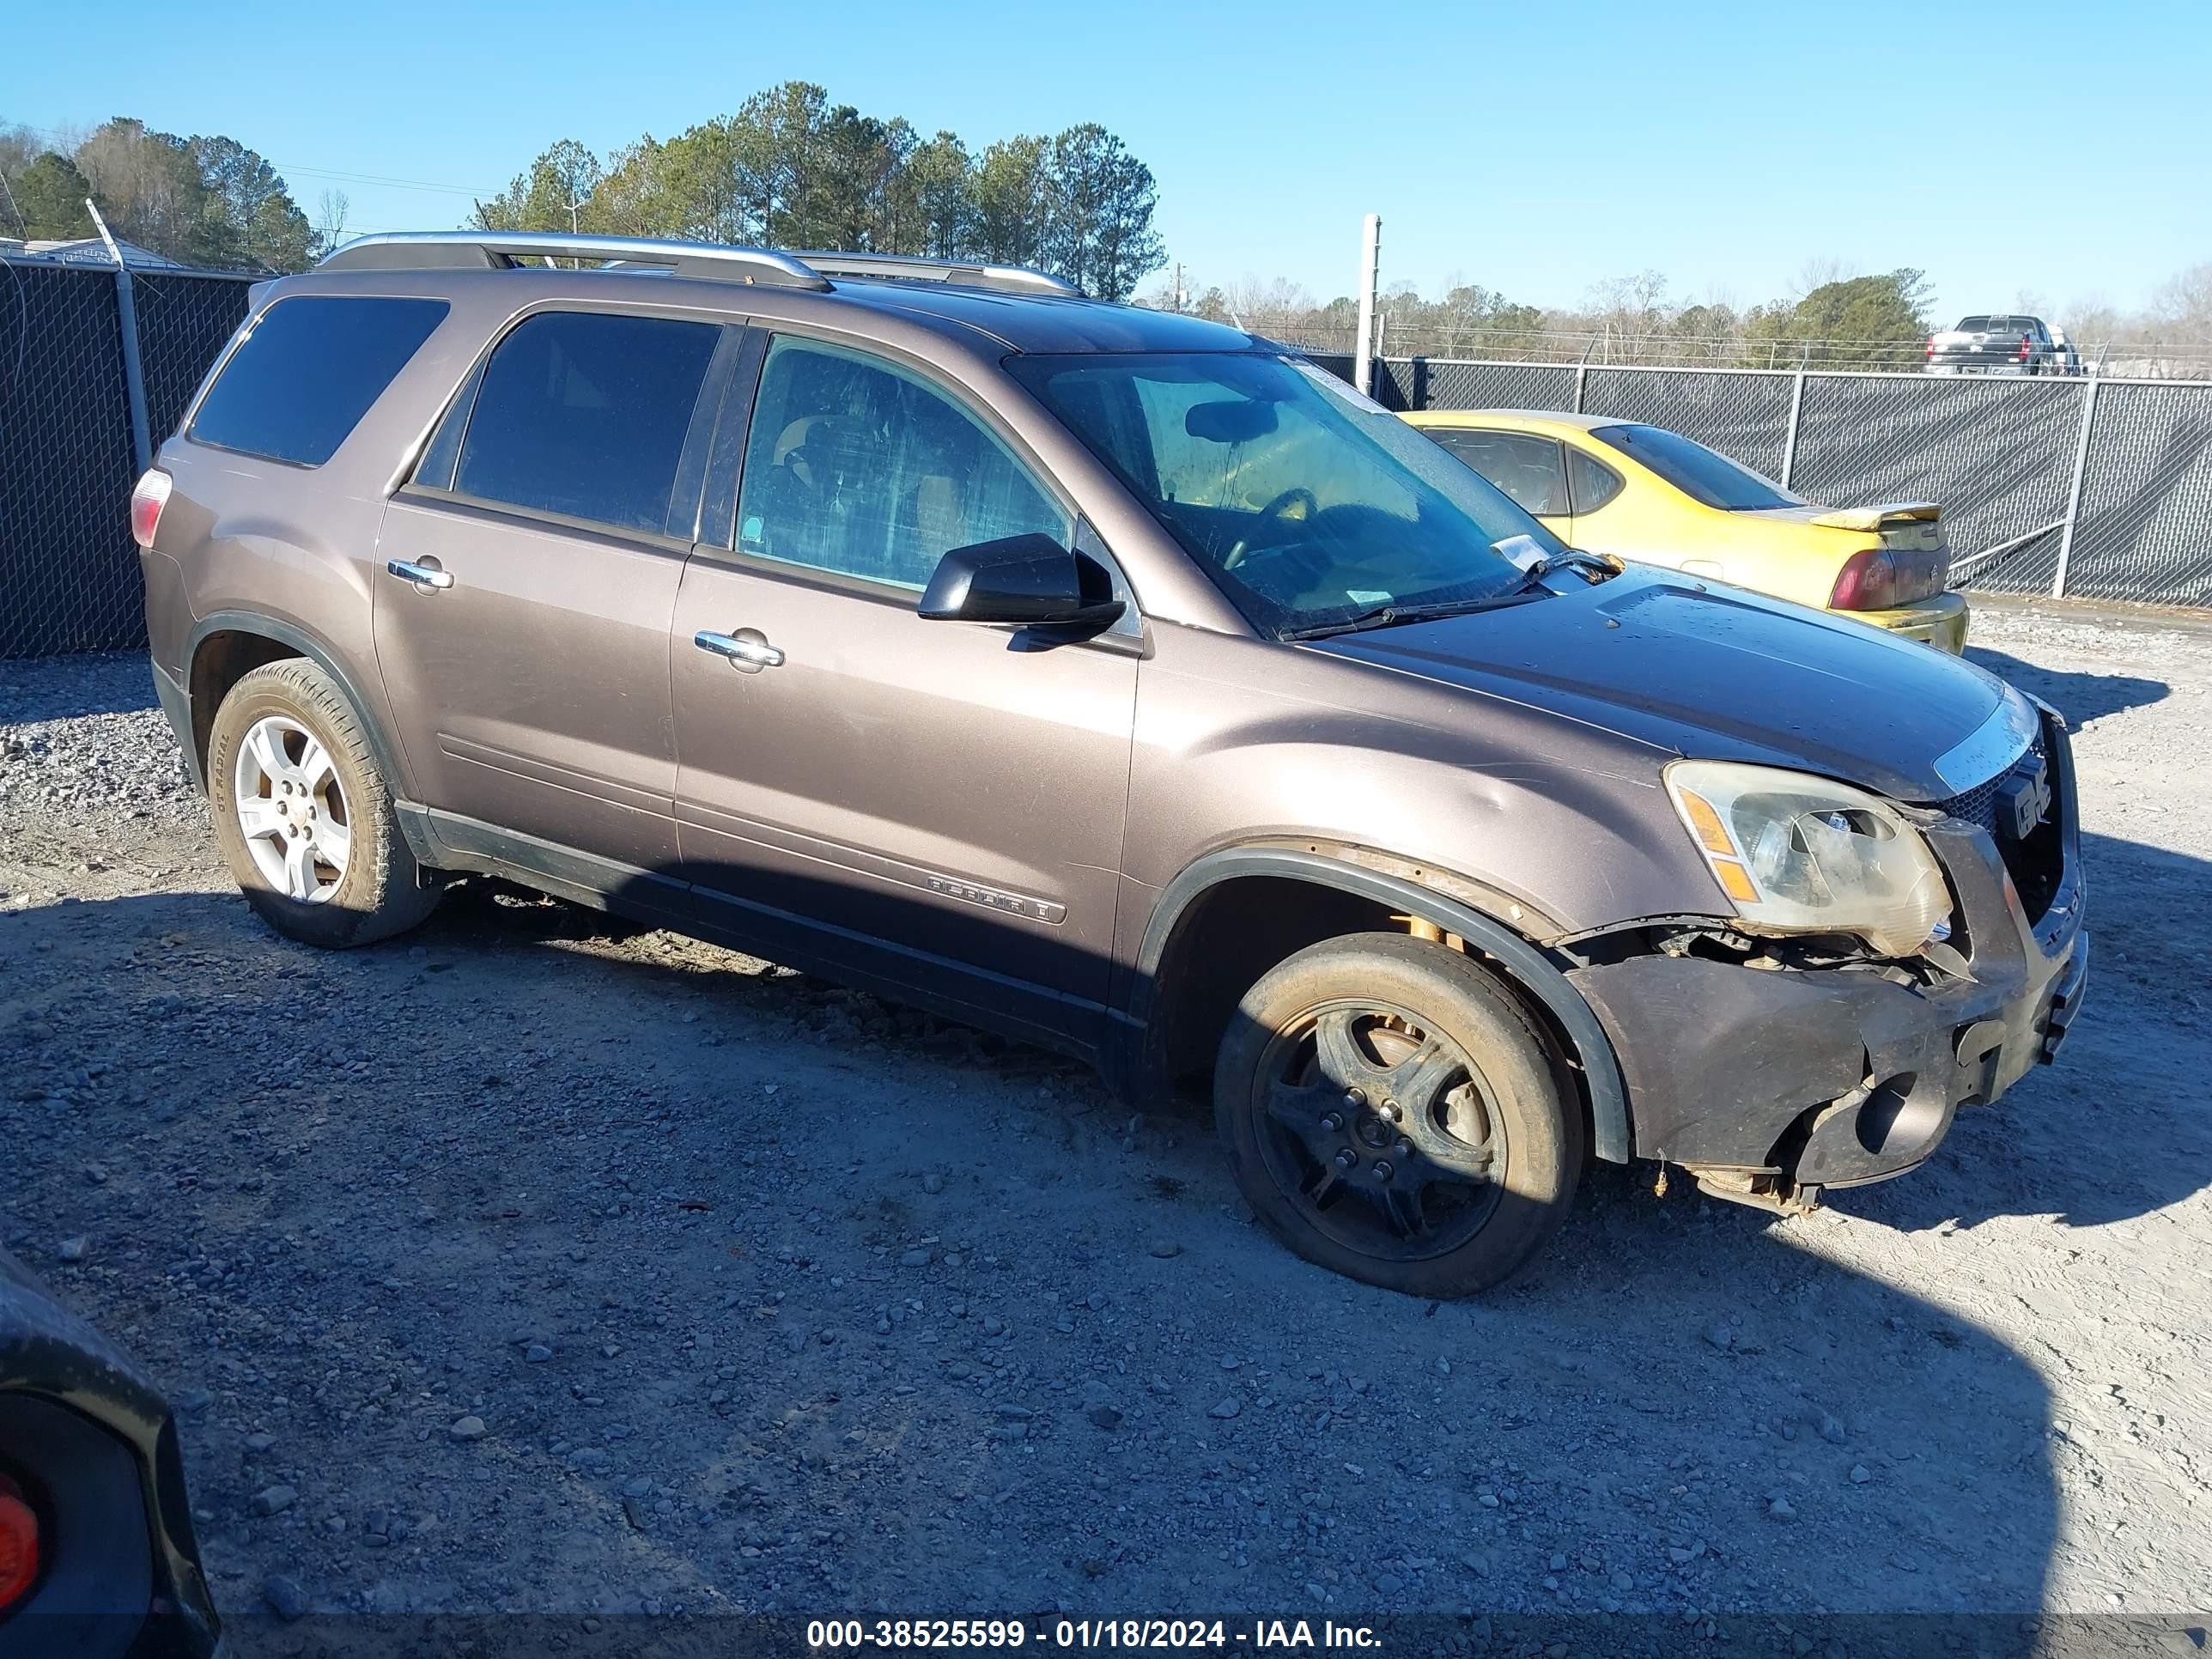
(1978,806)
(2037,861)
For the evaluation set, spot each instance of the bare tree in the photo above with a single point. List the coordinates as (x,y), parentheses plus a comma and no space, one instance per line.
(330,221)
(1818,271)
(1270,308)
(2182,308)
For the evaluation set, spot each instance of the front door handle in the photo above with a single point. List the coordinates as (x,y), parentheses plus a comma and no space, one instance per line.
(747,648)
(423,575)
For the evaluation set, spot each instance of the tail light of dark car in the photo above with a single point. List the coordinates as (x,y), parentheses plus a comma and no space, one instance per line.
(148,498)
(19,1546)
(2023,348)
(1883,578)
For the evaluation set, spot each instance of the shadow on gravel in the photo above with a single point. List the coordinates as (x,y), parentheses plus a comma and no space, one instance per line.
(2081,697)
(35,690)
(780,1297)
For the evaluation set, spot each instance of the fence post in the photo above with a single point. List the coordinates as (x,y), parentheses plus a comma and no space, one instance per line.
(134,378)
(1796,409)
(2073,491)
(1371,257)
(1581,373)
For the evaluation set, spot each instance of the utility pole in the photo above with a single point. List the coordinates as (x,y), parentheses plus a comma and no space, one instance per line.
(1370,259)
(574,226)
(127,315)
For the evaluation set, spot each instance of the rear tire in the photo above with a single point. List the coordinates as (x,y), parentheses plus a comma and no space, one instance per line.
(303,815)
(1442,1193)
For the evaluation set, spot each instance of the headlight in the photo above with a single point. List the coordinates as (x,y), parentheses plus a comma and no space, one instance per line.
(1799,854)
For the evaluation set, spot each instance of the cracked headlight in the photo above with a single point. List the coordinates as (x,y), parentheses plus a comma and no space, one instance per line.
(1800,855)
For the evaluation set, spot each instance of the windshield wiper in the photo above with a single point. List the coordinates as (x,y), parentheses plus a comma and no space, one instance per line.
(1391,615)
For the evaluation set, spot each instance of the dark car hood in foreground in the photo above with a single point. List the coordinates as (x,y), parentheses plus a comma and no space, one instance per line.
(56,1370)
(1714,672)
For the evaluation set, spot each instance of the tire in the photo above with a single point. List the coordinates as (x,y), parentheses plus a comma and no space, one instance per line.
(279,723)
(1451,1194)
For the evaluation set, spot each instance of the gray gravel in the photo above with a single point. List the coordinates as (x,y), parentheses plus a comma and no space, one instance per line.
(531,1263)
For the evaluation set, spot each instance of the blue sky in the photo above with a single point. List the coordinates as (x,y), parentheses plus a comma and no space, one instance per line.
(2061,151)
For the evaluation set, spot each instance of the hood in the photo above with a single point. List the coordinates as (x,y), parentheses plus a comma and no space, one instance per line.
(1715,673)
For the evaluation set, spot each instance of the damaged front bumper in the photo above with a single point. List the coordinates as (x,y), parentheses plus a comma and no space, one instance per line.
(1771,1083)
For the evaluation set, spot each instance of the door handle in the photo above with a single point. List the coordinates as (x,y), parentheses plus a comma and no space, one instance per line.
(745,648)
(423,575)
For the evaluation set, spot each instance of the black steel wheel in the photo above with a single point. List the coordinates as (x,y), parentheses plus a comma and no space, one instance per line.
(1393,1112)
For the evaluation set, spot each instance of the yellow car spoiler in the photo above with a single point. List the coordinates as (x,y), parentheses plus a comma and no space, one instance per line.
(1893,515)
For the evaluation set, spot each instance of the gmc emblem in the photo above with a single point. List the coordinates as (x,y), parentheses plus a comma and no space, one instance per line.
(2023,799)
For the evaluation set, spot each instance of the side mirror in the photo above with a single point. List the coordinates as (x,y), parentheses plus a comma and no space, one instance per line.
(1028,580)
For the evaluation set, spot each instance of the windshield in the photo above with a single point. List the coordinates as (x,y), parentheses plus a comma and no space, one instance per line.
(1307,503)
(1702,474)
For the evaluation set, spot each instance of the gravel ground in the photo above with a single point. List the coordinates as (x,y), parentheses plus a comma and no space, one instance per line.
(529,1263)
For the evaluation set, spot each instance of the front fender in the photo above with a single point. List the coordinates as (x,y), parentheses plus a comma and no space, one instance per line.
(1531,968)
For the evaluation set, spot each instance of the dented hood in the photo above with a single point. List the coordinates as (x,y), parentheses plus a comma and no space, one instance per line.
(1717,673)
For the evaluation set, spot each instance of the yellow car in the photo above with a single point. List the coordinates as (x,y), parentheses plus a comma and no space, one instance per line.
(1645,493)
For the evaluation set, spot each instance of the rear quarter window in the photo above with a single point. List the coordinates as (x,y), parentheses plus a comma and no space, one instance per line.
(309,369)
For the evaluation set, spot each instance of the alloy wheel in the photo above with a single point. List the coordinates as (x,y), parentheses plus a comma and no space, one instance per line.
(292,809)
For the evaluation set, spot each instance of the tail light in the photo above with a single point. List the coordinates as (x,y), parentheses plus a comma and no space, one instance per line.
(2023,348)
(148,498)
(19,1547)
(1931,345)
(1868,581)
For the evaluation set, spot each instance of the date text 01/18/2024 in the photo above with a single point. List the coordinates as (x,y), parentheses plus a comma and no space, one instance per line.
(1271,1635)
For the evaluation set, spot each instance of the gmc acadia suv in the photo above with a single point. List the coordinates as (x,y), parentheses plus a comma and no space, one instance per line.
(1113,679)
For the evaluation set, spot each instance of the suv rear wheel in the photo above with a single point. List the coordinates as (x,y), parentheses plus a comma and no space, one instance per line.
(303,815)
(1391,1112)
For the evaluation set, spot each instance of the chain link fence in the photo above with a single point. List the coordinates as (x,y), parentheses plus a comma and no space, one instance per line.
(2034,501)
(69,572)
(2145,516)
(1745,416)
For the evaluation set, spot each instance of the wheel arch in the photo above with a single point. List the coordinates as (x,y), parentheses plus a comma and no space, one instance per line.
(1354,875)
(242,641)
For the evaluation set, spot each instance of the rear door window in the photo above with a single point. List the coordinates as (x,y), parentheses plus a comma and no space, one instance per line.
(309,369)
(1531,470)
(584,415)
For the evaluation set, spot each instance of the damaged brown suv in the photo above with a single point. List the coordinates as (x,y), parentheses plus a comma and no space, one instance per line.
(1113,679)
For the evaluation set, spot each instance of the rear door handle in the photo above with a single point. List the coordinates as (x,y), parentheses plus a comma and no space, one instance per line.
(423,575)
(746,648)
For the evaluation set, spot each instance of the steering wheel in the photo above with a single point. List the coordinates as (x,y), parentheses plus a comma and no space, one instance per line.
(1274,510)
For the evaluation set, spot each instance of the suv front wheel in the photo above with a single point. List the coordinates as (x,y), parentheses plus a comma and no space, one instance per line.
(1392,1113)
(303,814)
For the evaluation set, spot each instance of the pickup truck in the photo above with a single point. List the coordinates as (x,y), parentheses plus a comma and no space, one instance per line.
(1993,345)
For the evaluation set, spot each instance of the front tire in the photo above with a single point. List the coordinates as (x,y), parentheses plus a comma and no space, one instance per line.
(1392,1113)
(303,815)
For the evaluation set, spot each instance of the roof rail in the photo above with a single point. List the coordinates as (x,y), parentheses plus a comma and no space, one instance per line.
(919,268)
(501,250)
